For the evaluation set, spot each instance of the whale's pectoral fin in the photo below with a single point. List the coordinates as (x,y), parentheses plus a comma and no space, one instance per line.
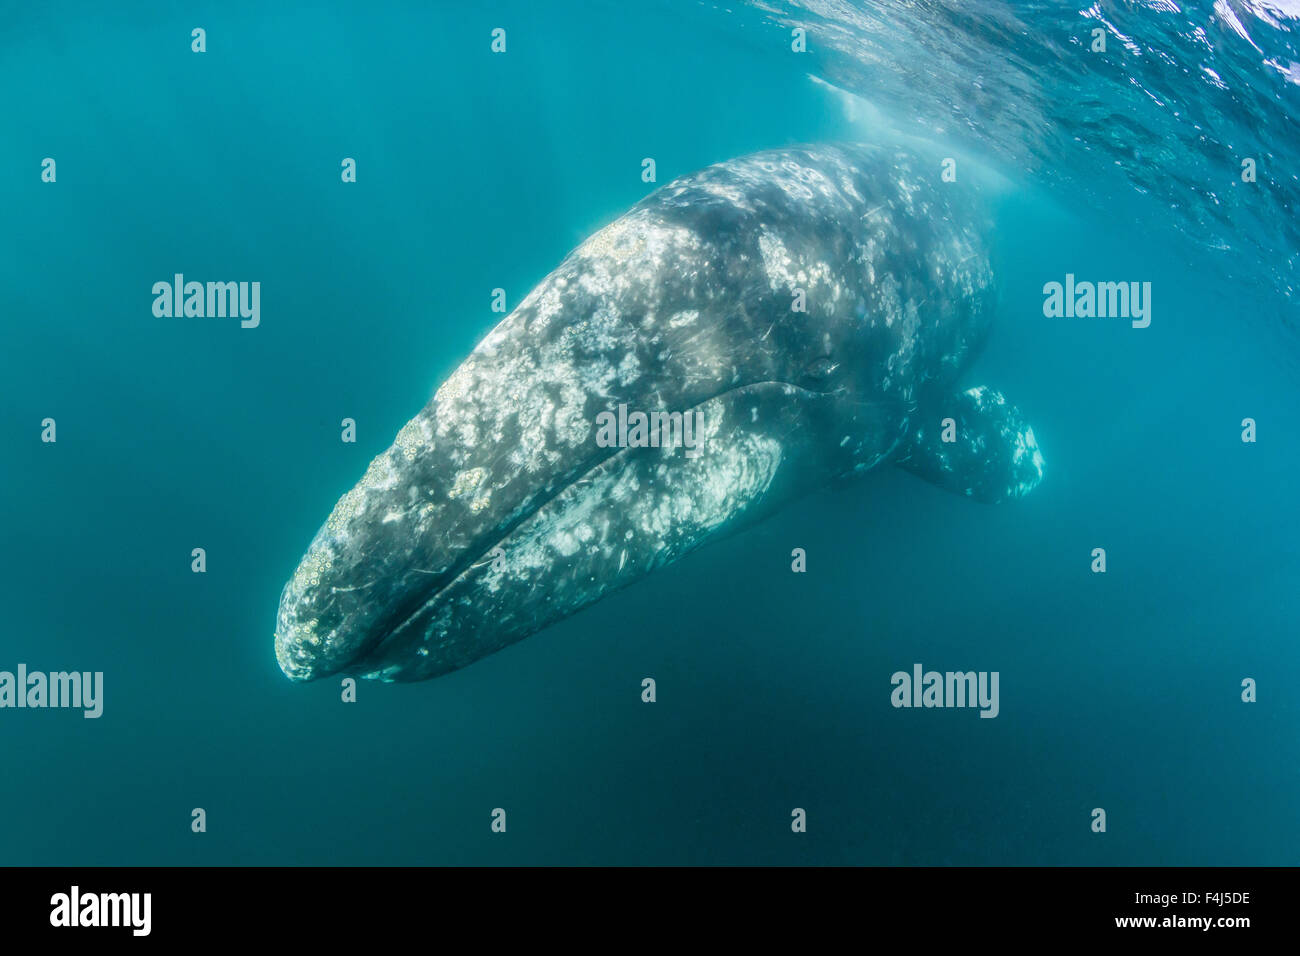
(976,444)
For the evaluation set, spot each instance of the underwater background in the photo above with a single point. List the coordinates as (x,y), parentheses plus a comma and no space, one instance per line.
(478,170)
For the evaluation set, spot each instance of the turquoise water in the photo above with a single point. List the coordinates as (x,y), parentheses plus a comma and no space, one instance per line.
(478,171)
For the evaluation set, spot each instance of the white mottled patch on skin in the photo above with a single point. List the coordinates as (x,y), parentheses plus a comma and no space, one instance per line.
(602,332)
(776,261)
(572,424)
(594,378)
(1025,446)
(908,190)
(792,184)
(701,499)
(782,271)
(549,303)
(629,370)
(414,437)
(820,274)
(458,383)
(689,498)
(467,432)
(867,254)
(531,452)
(888,299)
(637,239)
(733,194)
(564,542)
(466,481)
(911,327)
(679,319)
(620,240)
(538,397)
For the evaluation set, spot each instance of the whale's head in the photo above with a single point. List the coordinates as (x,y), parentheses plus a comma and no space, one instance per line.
(782,315)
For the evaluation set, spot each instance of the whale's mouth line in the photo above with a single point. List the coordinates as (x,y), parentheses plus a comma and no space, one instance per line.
(411,609)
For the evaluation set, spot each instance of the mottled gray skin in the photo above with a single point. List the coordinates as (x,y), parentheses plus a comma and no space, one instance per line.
(496,513)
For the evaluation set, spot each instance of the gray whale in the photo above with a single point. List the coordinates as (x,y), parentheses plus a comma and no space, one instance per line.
(496,512)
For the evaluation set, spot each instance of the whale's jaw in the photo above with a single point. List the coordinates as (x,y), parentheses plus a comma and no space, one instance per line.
(636,510)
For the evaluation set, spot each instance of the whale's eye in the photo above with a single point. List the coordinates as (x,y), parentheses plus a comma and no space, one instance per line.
(820,372)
